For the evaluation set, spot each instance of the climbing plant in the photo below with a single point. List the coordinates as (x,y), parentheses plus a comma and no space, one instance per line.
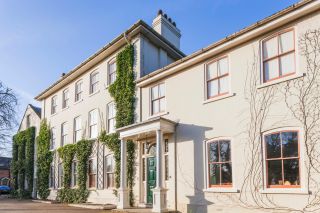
(66,153)
(44,159)
(123,92)
(22,163)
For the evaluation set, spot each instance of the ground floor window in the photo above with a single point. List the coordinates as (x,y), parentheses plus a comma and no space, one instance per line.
(109,168)
(219,163)
(92,173)
(282,159)
(60,175)
(51,175)
(74,174)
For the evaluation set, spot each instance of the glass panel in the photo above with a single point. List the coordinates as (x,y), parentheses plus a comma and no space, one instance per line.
(213,152)
(152,150)
(226,174)
(144,169)
(94,131)
(286,42)
(166,163)
(224,85)
(212,71)
(289,144)
(154,92)
(212,88)
(161,90)
(214,174)
(291,172)
(162,105)
(271,69)
(287,64)
(270,48)
(225,151)
(223,66)
(273,146)
(274,172)
(155,107)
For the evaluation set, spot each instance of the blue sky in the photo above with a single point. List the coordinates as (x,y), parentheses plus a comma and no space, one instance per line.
(41,39)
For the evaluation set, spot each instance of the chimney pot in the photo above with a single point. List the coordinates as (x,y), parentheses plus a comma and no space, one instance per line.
(174,24)
(165,15)
(160,12)
(170,20)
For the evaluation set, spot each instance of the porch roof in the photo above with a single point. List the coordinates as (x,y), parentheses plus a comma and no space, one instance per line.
(147,128)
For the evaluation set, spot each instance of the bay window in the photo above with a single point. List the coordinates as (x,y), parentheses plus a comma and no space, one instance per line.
(278,54)
(282,159)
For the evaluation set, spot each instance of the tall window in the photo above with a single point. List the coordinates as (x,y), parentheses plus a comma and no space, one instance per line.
(51,179)
(94,82)
(166,159)
(54,105)
(92,173)
(217,75)
(64,133)
(74,174)
(111,117)
(109,177)
(78,91)
(282,159)
(65,98)
(93,123)
(60,175)
(278,56)
(53,138)
(157,99)
(112,72)
(219,163)
(77,129)
(28,121)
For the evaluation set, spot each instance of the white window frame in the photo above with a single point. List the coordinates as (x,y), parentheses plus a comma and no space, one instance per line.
(78,93)
(232,189)
(109,128)
(53,138)
(112,61)
(95,163)
(152,114)
(94,84)
(111,172)
(65,98)
(303,179)
(54,105)
(75,130)
(74,174)
(91,125)
(64,133)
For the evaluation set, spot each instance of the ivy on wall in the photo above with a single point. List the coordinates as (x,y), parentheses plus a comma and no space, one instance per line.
(44,159)
(123,92)
(82,151)
(22,163)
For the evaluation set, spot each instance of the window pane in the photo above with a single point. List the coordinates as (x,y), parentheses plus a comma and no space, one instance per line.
(291,172)
(289,144)
(224,85)
(286,42)
(161,90)
(214,174)
(270,48)
(274,172)
(225,151)
(271,69)
(155,107)
(154,92)
(162,105)
(287,64)
(212,71)
(273,146)
(212,88)
(226,174)
(213,152)
(223,66)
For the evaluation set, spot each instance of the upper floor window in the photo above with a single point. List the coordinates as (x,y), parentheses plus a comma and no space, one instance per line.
(64,133)
(282,159)
(53,138)
(109,178)
(219,163)
(65,98)
(112,72)
(78,91)
(77,129)
(93,123)
(54,105)
(278,54)
(111,117)
(157,99)
(94,82)
(217,78)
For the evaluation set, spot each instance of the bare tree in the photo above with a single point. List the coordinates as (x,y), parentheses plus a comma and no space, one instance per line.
(8,104)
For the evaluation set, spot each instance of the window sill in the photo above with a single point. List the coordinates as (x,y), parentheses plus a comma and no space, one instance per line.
(78,101)
(92,94)
(222,190)
(284,191)
(158,115)
(219,98)
(54,114)
(281,80)
(64,109)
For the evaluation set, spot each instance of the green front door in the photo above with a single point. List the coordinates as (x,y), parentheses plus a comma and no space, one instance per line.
(151,179)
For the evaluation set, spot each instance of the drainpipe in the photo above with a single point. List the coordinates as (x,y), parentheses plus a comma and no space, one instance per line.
(175,171)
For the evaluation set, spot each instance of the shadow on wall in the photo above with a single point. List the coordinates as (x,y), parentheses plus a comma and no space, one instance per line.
(196,134)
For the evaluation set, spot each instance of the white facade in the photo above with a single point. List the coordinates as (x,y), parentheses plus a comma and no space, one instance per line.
(185,110)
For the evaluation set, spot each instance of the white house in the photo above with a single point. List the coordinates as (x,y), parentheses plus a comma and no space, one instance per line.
(231,127)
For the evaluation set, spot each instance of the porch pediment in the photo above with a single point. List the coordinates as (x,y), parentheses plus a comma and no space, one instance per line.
(146,128)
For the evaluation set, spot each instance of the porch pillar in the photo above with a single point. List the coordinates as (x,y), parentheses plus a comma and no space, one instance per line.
(123,192)
(159,193)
